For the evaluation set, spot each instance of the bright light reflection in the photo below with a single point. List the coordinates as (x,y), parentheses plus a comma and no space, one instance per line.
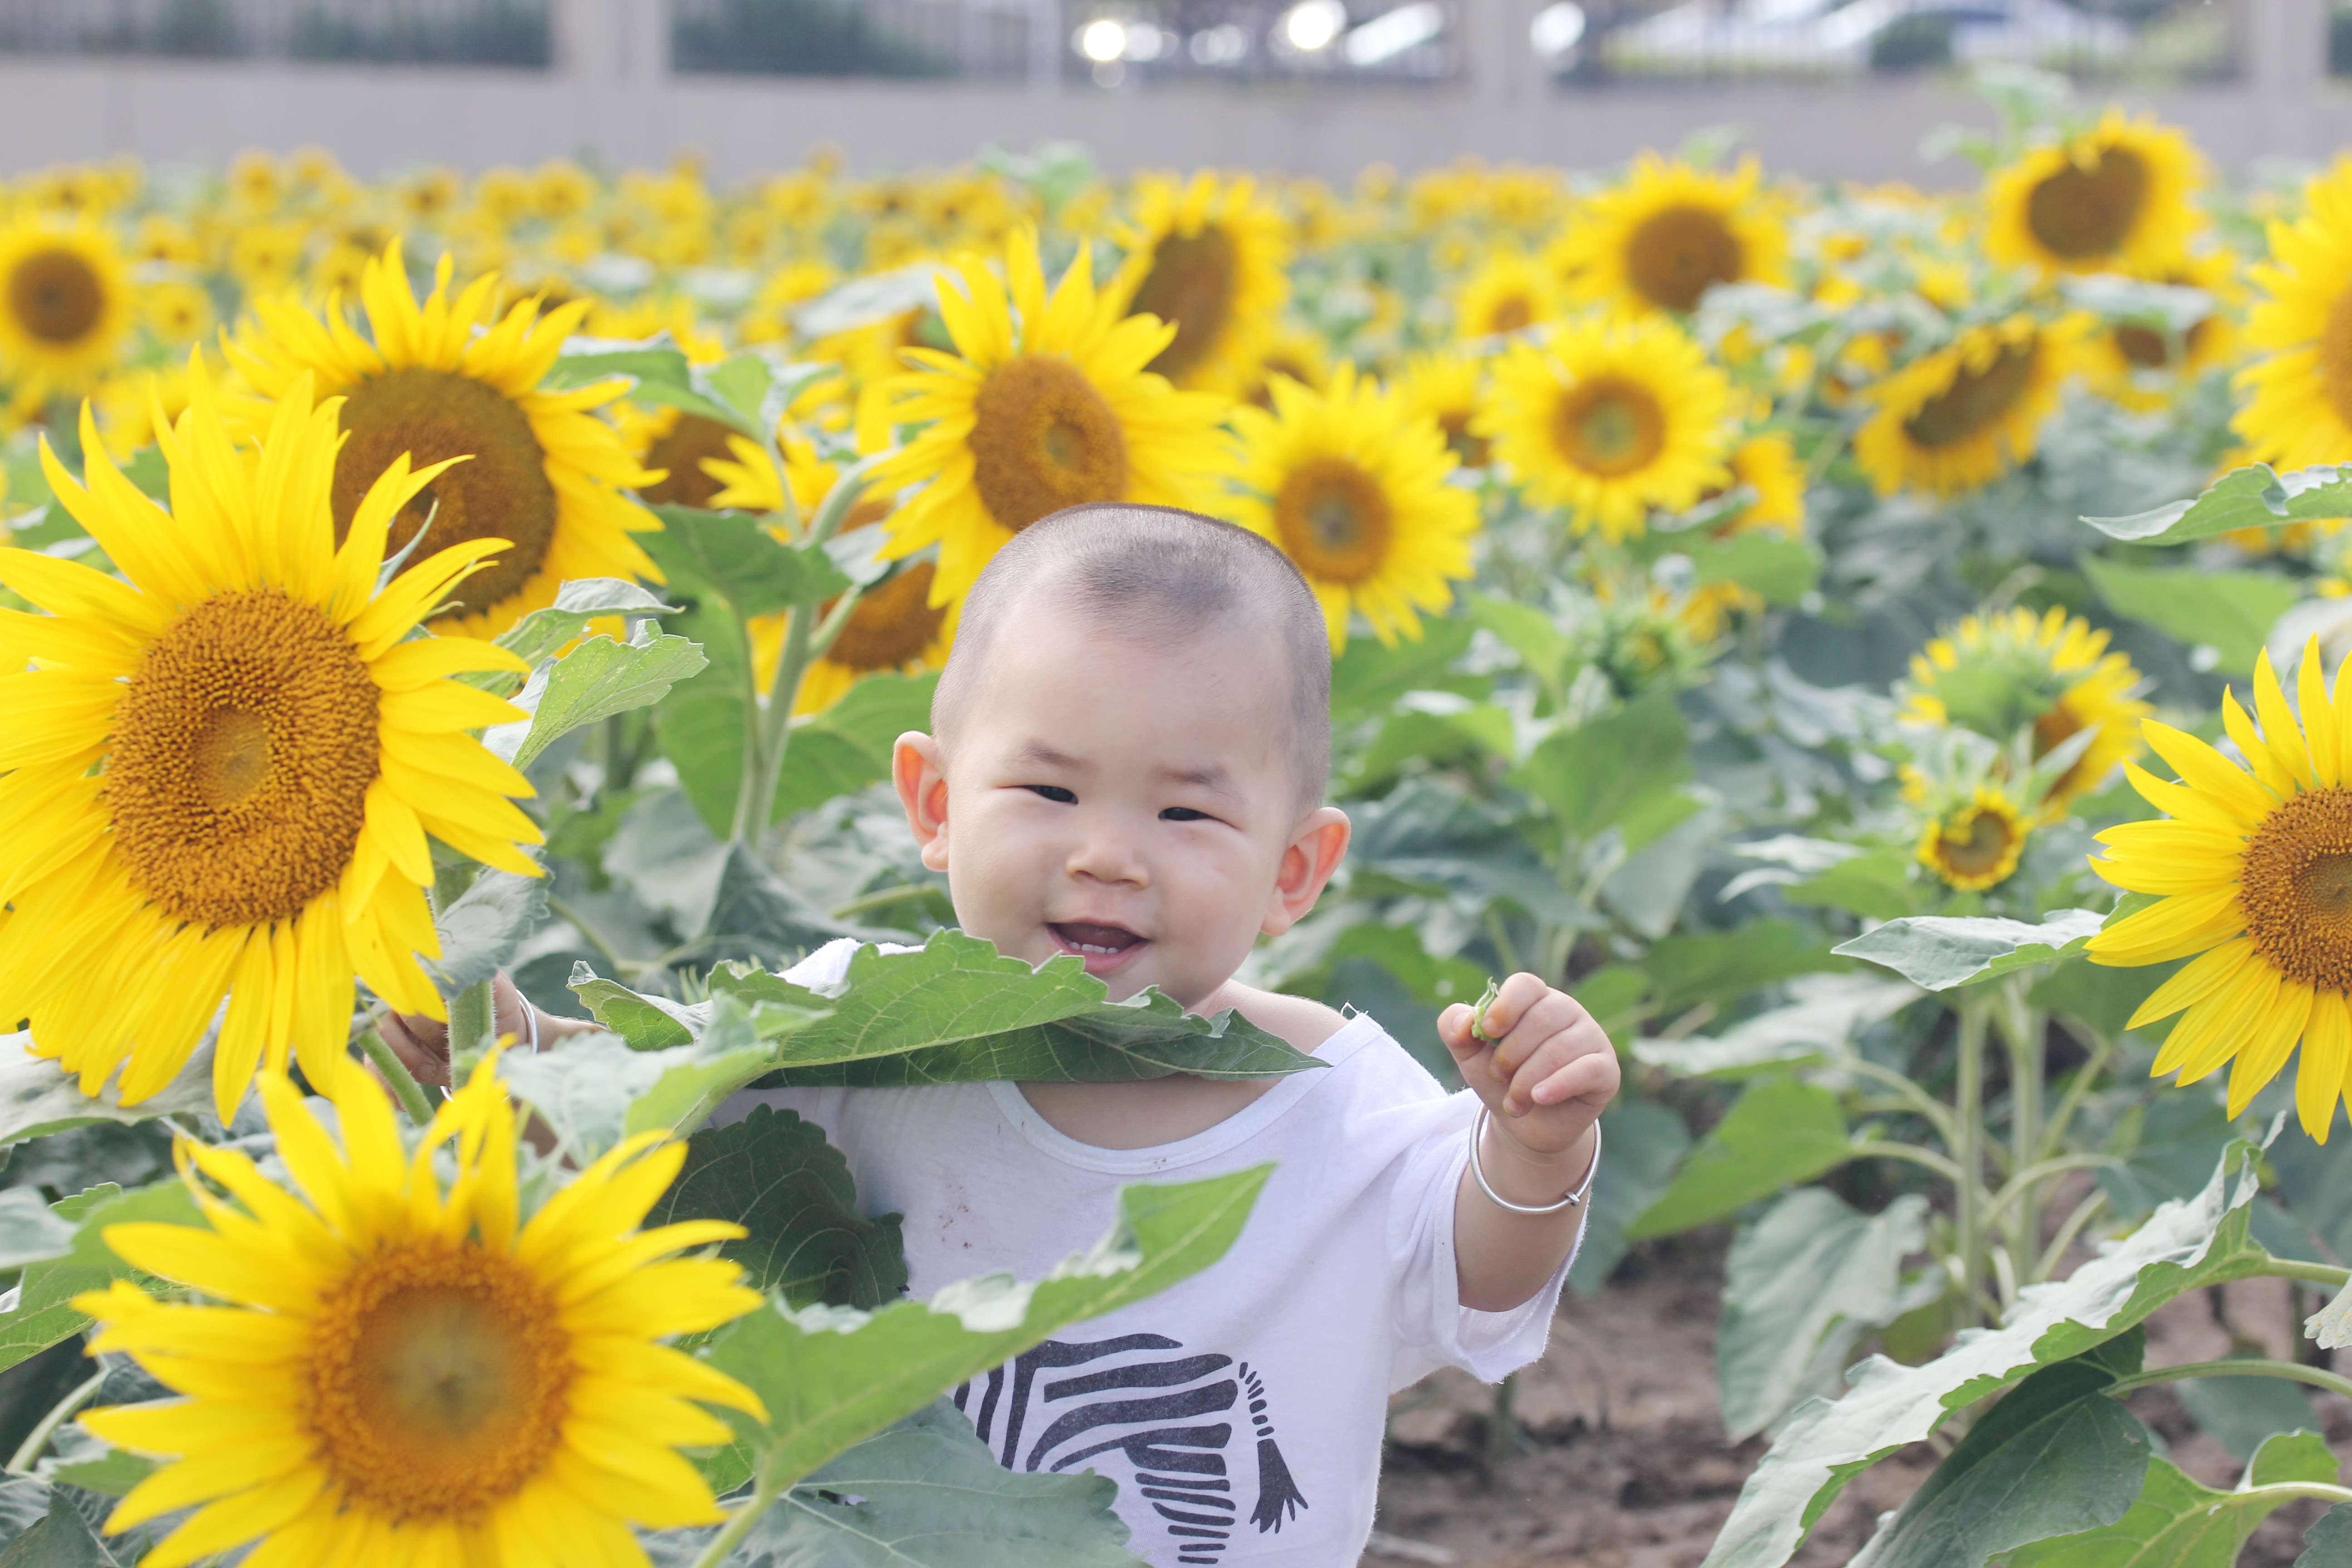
(1391,33)
(1557,28)
(1311,24)
(1102,40)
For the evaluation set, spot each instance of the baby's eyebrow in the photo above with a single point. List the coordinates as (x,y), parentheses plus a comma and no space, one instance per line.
(1212,777)
(1038,753)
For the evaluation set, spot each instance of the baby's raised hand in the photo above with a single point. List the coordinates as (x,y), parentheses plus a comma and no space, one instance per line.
(1541,1063)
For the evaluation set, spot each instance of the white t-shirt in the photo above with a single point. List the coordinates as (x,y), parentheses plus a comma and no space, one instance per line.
(1242,1410)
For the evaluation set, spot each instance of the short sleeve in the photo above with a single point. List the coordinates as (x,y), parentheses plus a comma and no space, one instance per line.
(1433,1328)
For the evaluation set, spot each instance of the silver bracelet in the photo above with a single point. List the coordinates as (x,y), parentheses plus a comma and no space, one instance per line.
(1574,1200)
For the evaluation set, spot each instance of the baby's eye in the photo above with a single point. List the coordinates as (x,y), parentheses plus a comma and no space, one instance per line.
(1054,793)
(1183,813)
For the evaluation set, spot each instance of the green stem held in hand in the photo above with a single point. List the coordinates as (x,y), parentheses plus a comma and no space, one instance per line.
(473,1028)
(405,1087)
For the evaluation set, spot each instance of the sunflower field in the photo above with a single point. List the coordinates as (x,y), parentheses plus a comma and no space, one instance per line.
(1878,649)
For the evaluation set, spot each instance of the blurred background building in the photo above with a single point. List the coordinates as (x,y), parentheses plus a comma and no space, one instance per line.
(1829,88)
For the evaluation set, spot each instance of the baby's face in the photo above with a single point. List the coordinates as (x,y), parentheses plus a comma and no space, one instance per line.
(1127,803)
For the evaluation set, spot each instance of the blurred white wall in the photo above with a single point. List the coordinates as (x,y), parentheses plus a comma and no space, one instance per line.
(611,95)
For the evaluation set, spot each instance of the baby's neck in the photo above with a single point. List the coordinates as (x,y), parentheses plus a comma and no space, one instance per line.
(1152,1111)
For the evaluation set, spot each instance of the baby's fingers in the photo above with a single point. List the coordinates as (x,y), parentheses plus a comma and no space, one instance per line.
(1454,1027)
(1593,1077)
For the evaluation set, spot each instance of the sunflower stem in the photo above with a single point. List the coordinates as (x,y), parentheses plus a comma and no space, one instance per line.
(2326,1274)
(2237,1366)
(739,1525)
(2023,1027)
(59,1413)
(473,1027)
(1969,1153)
(396,1075)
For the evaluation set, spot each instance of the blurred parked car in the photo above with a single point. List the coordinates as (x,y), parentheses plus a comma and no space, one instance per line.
(1851,36)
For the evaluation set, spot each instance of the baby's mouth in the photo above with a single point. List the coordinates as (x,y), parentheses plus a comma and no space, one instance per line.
(1104,947)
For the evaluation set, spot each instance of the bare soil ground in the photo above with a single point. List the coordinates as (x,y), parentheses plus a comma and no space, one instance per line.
(1625,1463)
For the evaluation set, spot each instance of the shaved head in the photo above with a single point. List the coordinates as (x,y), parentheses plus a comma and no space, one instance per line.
(1162,577)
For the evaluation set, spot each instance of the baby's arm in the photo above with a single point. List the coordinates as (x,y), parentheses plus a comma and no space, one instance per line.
(1546,1071)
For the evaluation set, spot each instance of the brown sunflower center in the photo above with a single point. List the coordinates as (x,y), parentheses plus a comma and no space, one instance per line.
(502,491)
(1679,253)
(1191,285)
(55,296)
(2086,210)
(1510,313)
(1976,400)
(1468,447)
(242,755)
(1335,520)
(681,452)
(2336,355)
(1609,427)
(439,1379)
(2296,888)
(1043,439)
(892,625)
(2051,730)
(1976,844)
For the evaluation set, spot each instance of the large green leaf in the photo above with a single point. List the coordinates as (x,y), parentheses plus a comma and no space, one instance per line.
(1779,570)
(482,928)
(1939,951)
(955,1010)
(2056,1456)
(2328,1544)
(1368,676)
(595,680)
(42,1316)
(2316,1180)
(848,746)
(591,1090)
(1646,1144)
(1804,1283)
(2183,1245)
(2176,1522)
(2230,612)
(1595,774)
(1723,966)
(1818,1025)
(657,368)
(730,556)
(1876,886)
(832,1375)
(63,1540)
(702,723)
(1779,1132)
(776,1176)
(2256,496)
(38,1098)
(538,635)
(928,1494)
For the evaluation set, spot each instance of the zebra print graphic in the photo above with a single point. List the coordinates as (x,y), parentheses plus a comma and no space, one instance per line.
(1171,1415)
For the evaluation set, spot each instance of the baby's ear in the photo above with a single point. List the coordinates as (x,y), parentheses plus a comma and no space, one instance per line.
(919,771)
(1316,849)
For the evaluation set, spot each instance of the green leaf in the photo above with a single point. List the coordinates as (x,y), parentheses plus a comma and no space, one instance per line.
(2257,496)
(1547,651)
(106,1470)
(658,368)
(2165,1150)
(482,928)
(1876,886)
(2230,612)
(1594,775)
(776,1176)
(1646,1143)
(538,635)
(2316,1180)
(1940,952)
(1804,1283)
(832,1375)
(1779,1132)
(2056,1456)
(38,1098)
(701,724)
(1442,727)
(1723,966)
(1818,1025)
(928,1494)
(42,1317)
(30,1231)
(2242,1414)
(63,1540)
(1368,676)
(593,1091)
(595,680)
(842,749)
(2176,1522)
(730,556)
(2101,996)
(1780,569)
(2183,1245)
(2328,1543)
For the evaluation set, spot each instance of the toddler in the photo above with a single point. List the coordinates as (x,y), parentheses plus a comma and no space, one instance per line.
(1126,761)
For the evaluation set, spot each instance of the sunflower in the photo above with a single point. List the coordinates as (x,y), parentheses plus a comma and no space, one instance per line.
(1296,352)
(1958,418)
(1996,674)
(1208,258)
(444,380)
(1509,294)
(1609,419)
(224,768)
(1768,467)
(2254,870)
(1034,412)
(661,438)
(1354,489)
(393,1366)
(1660,240)
(894,626)
(2116,199)
(1975,844)
(2139,368)
(67,305)
(2301,410)
(1448,388)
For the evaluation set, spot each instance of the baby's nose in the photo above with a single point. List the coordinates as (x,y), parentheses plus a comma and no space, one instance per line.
(1109,858)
